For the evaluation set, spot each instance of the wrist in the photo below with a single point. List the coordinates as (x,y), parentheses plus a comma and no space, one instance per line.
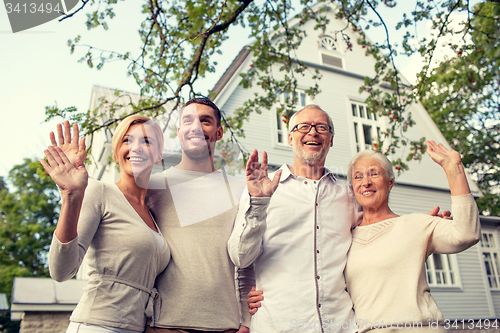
(73,195)
(454,168)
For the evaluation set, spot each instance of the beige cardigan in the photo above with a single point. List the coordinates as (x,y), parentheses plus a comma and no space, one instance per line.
(385,270)
(124,258)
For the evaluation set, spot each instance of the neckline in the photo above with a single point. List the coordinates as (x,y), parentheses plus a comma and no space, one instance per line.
(136,213)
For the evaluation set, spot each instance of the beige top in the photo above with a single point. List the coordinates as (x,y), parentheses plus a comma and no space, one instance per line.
(195,212)
(385,270)
(124,259)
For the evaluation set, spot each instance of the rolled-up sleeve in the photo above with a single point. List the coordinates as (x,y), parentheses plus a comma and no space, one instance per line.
(245,243)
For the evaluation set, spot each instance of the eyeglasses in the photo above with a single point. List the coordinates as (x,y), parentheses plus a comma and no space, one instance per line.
(305,128)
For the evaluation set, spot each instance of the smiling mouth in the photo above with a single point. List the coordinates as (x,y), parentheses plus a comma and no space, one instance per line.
(312,143)
(136,159)
(367,192)
(197,139)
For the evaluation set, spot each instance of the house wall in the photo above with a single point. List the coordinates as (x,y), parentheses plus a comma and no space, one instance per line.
(45,322)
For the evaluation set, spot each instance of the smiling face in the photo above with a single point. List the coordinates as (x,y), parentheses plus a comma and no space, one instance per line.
(310,148)
(371,184)
(139,150)
(198,131)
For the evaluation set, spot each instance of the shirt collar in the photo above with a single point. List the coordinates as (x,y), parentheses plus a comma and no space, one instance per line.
(287,173)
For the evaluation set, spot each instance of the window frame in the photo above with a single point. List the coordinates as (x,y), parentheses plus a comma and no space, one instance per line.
(361,122)
(280,127)
(337,52)
(450,272)
(494,252)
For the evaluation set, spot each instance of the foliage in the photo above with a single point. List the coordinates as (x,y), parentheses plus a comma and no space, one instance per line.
(463,97)
(28,215)
(181,36)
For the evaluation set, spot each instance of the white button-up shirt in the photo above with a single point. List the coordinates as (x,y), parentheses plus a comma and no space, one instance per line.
(299,249)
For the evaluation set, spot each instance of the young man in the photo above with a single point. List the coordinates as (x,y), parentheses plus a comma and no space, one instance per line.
(195,207)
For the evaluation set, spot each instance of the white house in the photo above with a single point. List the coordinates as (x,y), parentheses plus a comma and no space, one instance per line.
(461,285)
(466,285)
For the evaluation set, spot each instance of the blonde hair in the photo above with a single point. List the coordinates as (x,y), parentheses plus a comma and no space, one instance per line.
(123,127)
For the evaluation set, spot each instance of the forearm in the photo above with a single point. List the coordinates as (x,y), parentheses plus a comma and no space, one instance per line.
(245,243)
(457,180)
(245,281)
(66,229)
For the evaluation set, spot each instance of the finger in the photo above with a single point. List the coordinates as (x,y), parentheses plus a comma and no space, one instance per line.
(46,166)
(254,305)
(76,133)
(53,139)
(82,147)
(276,179)
(60,136)
(67,132)
(50,158)
(251,161)
(252,311)
(434,211)
(264,162)
(65,158)
(55,156)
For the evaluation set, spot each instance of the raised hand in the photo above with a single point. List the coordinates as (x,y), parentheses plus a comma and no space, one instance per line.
(69,178)
(441,155)
(451,163)
(258,183)
(71,148)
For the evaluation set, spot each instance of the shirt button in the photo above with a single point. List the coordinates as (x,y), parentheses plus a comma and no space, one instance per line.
(317,277)
(317,251)
(317,227)
(319,305)
(243,224)
(305,182)
(317,204)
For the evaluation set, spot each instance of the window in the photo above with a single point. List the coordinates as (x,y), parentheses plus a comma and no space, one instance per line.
(490,257)
(329,52)
(366,126)
(442,270)
(299,100)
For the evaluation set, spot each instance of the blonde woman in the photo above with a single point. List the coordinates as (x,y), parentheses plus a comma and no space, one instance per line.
(111,224)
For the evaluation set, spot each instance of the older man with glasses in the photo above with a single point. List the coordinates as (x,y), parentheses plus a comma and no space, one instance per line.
(300,243)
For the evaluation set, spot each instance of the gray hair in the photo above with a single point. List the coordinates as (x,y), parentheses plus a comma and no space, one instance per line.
(381,158)
(308,107)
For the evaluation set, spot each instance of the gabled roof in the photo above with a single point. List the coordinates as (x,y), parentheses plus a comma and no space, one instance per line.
(44,294)
(228,74)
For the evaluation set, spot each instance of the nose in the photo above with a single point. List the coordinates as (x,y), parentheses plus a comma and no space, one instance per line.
(367,181)
(313,128)
(196,125)
(136,146)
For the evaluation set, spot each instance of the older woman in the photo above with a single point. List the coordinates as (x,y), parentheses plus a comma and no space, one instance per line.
(111,223)
(385,272)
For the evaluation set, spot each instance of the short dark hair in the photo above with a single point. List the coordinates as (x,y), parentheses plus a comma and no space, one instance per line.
(205,101)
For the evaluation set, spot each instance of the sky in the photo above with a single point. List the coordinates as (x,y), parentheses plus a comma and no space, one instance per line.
(37,70)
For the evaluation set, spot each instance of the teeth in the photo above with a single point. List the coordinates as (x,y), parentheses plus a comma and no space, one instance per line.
(197,139)
(313,143)
(137,159)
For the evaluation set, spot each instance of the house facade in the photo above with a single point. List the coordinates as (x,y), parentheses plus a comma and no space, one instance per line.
(465,285)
